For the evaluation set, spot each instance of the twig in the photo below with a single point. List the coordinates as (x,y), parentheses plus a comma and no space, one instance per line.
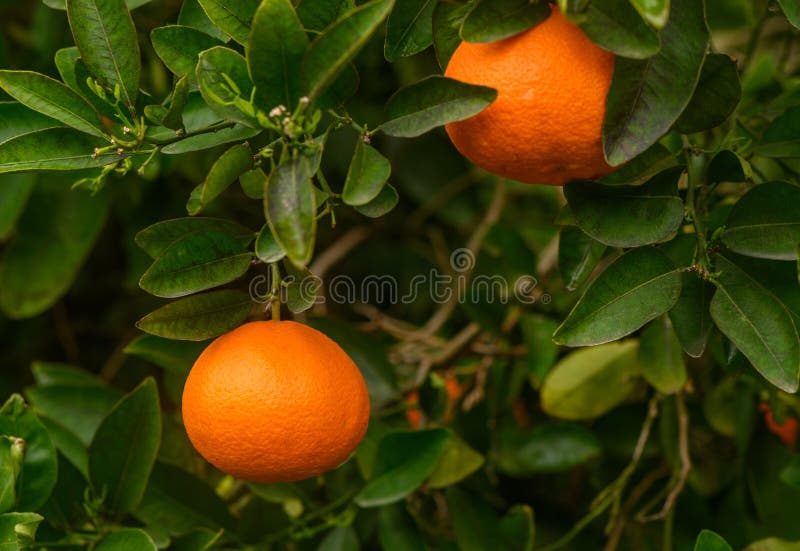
(477,392)
(636,494)
(447,351)
(338,250)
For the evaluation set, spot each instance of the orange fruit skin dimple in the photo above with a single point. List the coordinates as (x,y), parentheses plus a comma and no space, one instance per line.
(545,127)
(275,401)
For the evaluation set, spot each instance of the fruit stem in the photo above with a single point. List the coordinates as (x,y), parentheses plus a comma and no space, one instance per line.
(276,291)
(697,165)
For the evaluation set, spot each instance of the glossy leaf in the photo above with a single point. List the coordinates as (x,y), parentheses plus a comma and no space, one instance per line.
(68,444)
(711,541)
(638,287)
(383,203)
(409,29)
(290,209)
(690,316)
(192,15)
(758,323)
(127,539)
(578,254)
(433,102)
(52,98)
(661,357)
(656,12)
(549,448)
(647,97)
(717,94)
(225,84)
(589,382)
(199,261)
(268,249)
(179,47)
(225,171)
(106,37)
(171,355)
(458,461)
(275,54)
(398,531)
(18,120)
(54,149)
(369,171)
(155,239)
(643,167)
(124,448)
(332,50)
(616,26)
(233,17)
(14,192)
(318,14)
(792,11)
(492,20)
(447,21)
(198,317)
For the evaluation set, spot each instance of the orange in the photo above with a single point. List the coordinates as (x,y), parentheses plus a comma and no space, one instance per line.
(545,126)
(413,413)
(275,401)
(787,431)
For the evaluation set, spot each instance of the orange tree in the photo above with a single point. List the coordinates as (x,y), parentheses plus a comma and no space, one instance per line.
(614,366)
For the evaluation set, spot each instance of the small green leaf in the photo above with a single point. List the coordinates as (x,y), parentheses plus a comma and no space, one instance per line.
(268,250)
(253,183)
(124,448)
(398,531)
(342,538)
(773,544)
(225,171)
(301,288)
(656,12)
(638,287)
(537,332)
(661,357)
(369,171)
(127,539)
(643,167)
(179,47)
(275,54)
(492,20)
(199,261)
(628,216)
(383,203)
(232,17)
(155,239)
(290,209)
(458,461)
(69,445)
(54,149)
(591,381)
(106,37)
(433,102)
(447,21)
(316,15)
(616,26)
(405,459)
(209,140)
(14,193)
(549,448)
(198,317)
(192,15)
(52,98)
(710,541)
(173,115)
(478,527)
(18,530)
(792,11)
(717,94)
(728,166)
(333,49)
(578,254)
(409,29)
(225,84)
(18,120)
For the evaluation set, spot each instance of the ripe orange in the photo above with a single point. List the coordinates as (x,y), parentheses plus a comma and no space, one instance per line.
(545,126)
(275,401)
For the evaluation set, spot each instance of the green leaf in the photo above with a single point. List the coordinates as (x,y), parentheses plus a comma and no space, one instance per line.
(210,140)
(409,29)
(8,474)
(773,544)
(792,11)
(225,84)
(710,541)
(54,149)
(578,254)
(661,357)
(36,479)
(268,249)
(124,448)
(290,209)
(549,448)
(716,96)
(66,60)
(318,14)
(657,12)
(369,171)
(18,120)
(62,4)
(171,355)
(179,47)
(232,17)
(383,203)
(333,49)
(492,20)
(638,287)
(478,527)
(253,183)
(54,236)
(398,531)
(192,15)
(106,37)
(275,54)
(52,98)
(405,459)
(432,102)
(447,21)
(628,216)
(457,462)
(591,381)
(648,96)
(301,288)
(342,538)
(616,26)
(537,334)
(173,115)
(69,445)
(728,166)
(18,530)
(127,539)
(198,317)
(758,323)
(196,540)
(54,374)
(201,260)
(155,239)
(765,223)
(643,167)
(15,189)
(225,171)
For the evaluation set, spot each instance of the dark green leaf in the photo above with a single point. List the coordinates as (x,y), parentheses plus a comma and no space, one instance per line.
(127,539)
(65,60)
(173,115)
(590,382)
(318,14)
(409,29)
(179,47)
(661,357)
(549,448)
(301,288)
(106,37)
(710,541)
(332,50)
(615,26)
(232,17)
(155,239)
(369,171)
(517,527)
(638,287)
(37,477)
(171,355)
(268,249)
(199,261)
(656,12)
(404,461)
(398,531)
(578,254)
(196,540)
(192,15)
(727,166)
(643,167)
(62,4)
(447,21)
(225,171)
(537,332)
(758,323)
(54,374)
(54,236)
(198,317)
(210,140)
(478,527)
(432,102)
(343,538)
(54,149)
(18,120)
(647,97)
(124,448)
(492,20)
(275,54)
(52,98)
(69,445)
(225,84)
(384,202)
(14,192)
(792,11)
(253,183)
(765,223)
(457,462)
(290,209)
(717,94)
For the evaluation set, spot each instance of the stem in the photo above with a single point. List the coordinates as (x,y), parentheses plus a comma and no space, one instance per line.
(276,291)
(697,164)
